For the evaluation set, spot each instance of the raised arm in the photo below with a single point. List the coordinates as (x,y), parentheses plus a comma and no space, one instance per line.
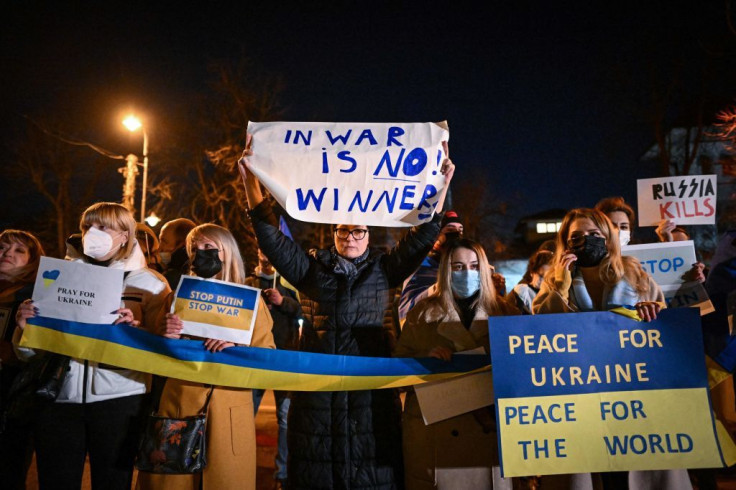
(286,256)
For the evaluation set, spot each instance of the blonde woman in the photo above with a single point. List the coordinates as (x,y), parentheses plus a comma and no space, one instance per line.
(99,407)
(454,319)
(590,274)
(231,437)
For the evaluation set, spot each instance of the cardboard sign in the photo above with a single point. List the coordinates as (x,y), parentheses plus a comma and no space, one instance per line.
(351,173)
(686,200)
(594,392)
(216,309)
(75,291)
(667,263)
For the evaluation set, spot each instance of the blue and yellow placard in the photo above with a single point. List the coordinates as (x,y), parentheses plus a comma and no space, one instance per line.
(592,392)
(216,309)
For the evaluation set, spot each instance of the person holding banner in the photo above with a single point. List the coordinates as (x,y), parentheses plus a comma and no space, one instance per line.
(453,319)
(99,407)
(231,437)
(623,218)
(344,439)
(590,274)
(20,253)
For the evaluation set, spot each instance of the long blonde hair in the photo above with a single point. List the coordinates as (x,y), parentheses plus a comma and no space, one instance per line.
(111,215)
(444,297)
(233,269)
(27,273)
(614,266)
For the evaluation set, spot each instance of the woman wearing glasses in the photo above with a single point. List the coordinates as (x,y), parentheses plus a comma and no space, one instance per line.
(343,439)
(590,274)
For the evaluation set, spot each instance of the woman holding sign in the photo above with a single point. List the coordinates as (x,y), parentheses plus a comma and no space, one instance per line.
(344,439)
(454,319)
(590,274)
(231,436)
(20,253)
(99,407)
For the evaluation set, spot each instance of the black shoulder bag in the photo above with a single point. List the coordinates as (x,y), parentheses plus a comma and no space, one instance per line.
(174,446)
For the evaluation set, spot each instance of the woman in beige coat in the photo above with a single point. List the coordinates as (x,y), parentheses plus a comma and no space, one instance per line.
(231,438)
(460,451)
(590,274)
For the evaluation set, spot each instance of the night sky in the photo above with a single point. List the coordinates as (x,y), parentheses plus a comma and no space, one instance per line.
(547,99)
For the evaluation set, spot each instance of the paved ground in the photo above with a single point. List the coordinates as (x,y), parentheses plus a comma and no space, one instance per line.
(266,436)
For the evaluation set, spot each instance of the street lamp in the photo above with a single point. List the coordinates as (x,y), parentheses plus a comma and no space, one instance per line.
(133,124)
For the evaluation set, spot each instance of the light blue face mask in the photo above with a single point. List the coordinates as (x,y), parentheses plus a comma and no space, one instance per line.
(465,283)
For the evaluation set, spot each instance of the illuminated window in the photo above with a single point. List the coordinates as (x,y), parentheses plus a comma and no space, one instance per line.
(544,228)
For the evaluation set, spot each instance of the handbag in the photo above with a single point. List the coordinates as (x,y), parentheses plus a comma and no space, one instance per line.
(52,377)
(174,446)
(38,384)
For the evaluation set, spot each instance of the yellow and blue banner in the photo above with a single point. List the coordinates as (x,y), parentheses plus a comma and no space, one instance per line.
(216,309)
(240,367)
(596,392)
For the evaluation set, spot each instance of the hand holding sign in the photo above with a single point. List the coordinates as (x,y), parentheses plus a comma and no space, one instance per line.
(173,326)
(648,310)
(250,181)
(25,311)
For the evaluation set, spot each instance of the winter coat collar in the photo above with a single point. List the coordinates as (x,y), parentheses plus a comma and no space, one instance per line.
(451,327)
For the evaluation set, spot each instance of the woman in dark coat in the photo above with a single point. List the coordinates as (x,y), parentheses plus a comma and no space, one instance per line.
(344,439)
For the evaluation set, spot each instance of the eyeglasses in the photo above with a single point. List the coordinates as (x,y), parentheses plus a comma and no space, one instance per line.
(357,233)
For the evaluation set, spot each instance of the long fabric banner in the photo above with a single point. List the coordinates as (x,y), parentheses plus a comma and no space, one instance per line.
(242,367)
(592,392)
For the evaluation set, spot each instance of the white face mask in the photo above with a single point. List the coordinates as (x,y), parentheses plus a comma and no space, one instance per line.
(165,257)
(97,243)
(624,237)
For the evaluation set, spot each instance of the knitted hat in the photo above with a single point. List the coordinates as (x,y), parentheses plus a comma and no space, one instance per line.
(450,217)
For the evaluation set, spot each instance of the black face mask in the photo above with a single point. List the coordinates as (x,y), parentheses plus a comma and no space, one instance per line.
(591,251)
(206,263)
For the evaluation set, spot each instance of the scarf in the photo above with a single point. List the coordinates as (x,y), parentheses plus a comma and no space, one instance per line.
(347,267)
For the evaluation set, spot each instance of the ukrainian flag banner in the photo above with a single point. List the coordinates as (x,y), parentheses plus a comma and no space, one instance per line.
(595,392)
(216,309)
(240,367)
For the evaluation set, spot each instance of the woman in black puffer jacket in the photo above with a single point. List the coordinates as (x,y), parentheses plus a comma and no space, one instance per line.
(344,439)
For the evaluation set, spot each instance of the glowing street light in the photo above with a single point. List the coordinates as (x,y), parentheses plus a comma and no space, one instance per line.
(134,124)
(153,220)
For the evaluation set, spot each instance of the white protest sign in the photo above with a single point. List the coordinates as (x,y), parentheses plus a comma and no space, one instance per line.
(686,200)
(378,174)
(216,309)
(76,291)
(667,263)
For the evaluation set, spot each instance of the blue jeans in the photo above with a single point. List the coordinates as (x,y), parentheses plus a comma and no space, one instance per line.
(282,411)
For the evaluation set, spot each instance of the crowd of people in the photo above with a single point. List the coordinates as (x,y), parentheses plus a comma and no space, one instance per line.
(429,296)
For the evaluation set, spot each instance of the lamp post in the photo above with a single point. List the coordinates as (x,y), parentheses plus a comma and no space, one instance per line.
(133,124)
